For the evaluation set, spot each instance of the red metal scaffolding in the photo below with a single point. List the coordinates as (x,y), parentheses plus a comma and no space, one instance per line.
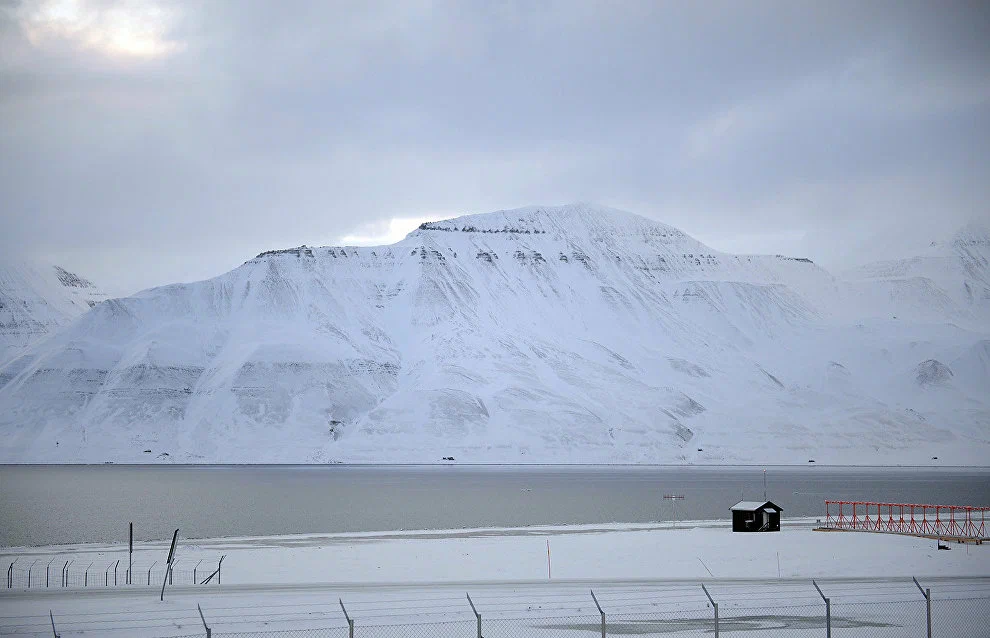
(943,521)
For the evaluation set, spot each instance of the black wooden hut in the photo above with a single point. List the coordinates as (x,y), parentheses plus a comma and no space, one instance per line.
(756,516)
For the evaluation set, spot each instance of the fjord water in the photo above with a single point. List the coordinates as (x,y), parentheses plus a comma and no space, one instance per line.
(51,504)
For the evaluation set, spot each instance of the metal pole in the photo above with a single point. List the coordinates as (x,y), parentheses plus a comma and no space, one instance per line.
(714,606)
(350,621)
(130,552)
(476,614)
(828,610)
(52,616)
(29,572)
(65,568)
(86,581)
(595,598)
(194,570)
(48,568)
(209,633)
(149,571)
(10,575)
(165,580)
(115,572)
(927,593)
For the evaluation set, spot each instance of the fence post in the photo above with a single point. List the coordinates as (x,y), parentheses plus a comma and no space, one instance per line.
(48,568)
(927,593)
(828,610)
(149,571)
(216,572)
(52,616)
(194,570)
(600,611)
(209,633)
(31,567)
(65,568)
(10,575)
(166,580)
(86,580)
(714,606)
(350,621)
(476,614)
(167,575)
(115,572)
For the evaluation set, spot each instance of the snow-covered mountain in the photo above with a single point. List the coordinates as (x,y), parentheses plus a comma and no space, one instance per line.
(950,280)
(36,300)
(574,333)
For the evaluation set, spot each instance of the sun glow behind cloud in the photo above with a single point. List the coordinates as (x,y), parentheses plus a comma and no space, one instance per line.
(385,233)
(131,30)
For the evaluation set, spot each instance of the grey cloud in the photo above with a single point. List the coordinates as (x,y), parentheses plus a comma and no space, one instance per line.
(285,123)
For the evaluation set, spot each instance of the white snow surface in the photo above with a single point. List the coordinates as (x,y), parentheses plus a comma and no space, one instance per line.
(404,578)
(36,300)
(545,334)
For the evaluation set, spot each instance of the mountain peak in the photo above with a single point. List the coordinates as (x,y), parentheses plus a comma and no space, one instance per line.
(973,233)
(36,299)
(570,221)
(71,279)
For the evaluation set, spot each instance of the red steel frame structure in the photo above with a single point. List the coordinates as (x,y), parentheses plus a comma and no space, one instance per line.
(943,521)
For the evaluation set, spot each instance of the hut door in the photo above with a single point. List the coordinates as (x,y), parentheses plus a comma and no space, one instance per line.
(766,519)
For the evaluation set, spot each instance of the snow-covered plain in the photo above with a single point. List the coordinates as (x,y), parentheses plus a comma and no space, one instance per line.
(421,576)
(568,334)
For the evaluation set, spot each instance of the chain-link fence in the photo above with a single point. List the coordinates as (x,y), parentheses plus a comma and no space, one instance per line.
(330,632)
(954,608)
(105,572)
(956,618)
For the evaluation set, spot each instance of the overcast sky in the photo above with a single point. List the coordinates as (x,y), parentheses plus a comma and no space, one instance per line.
(146,142)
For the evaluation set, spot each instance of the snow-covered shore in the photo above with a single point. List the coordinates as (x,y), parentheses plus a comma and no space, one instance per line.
(419,576)
(692,550)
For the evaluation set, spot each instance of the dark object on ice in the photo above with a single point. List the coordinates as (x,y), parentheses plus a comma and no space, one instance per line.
(941,546)
(934,458)
(448,458)
(147,451)
(756,516)
(811,460)
(700,450)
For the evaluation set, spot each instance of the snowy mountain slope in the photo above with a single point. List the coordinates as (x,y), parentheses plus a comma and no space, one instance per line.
(574,333)
(951,280)
(36,300)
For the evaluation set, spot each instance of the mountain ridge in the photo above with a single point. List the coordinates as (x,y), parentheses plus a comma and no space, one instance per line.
(36,299)
(576,333)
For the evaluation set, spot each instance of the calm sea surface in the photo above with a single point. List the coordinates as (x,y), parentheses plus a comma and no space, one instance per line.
(42,505)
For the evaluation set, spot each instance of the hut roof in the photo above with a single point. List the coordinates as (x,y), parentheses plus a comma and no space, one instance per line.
(752,506)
